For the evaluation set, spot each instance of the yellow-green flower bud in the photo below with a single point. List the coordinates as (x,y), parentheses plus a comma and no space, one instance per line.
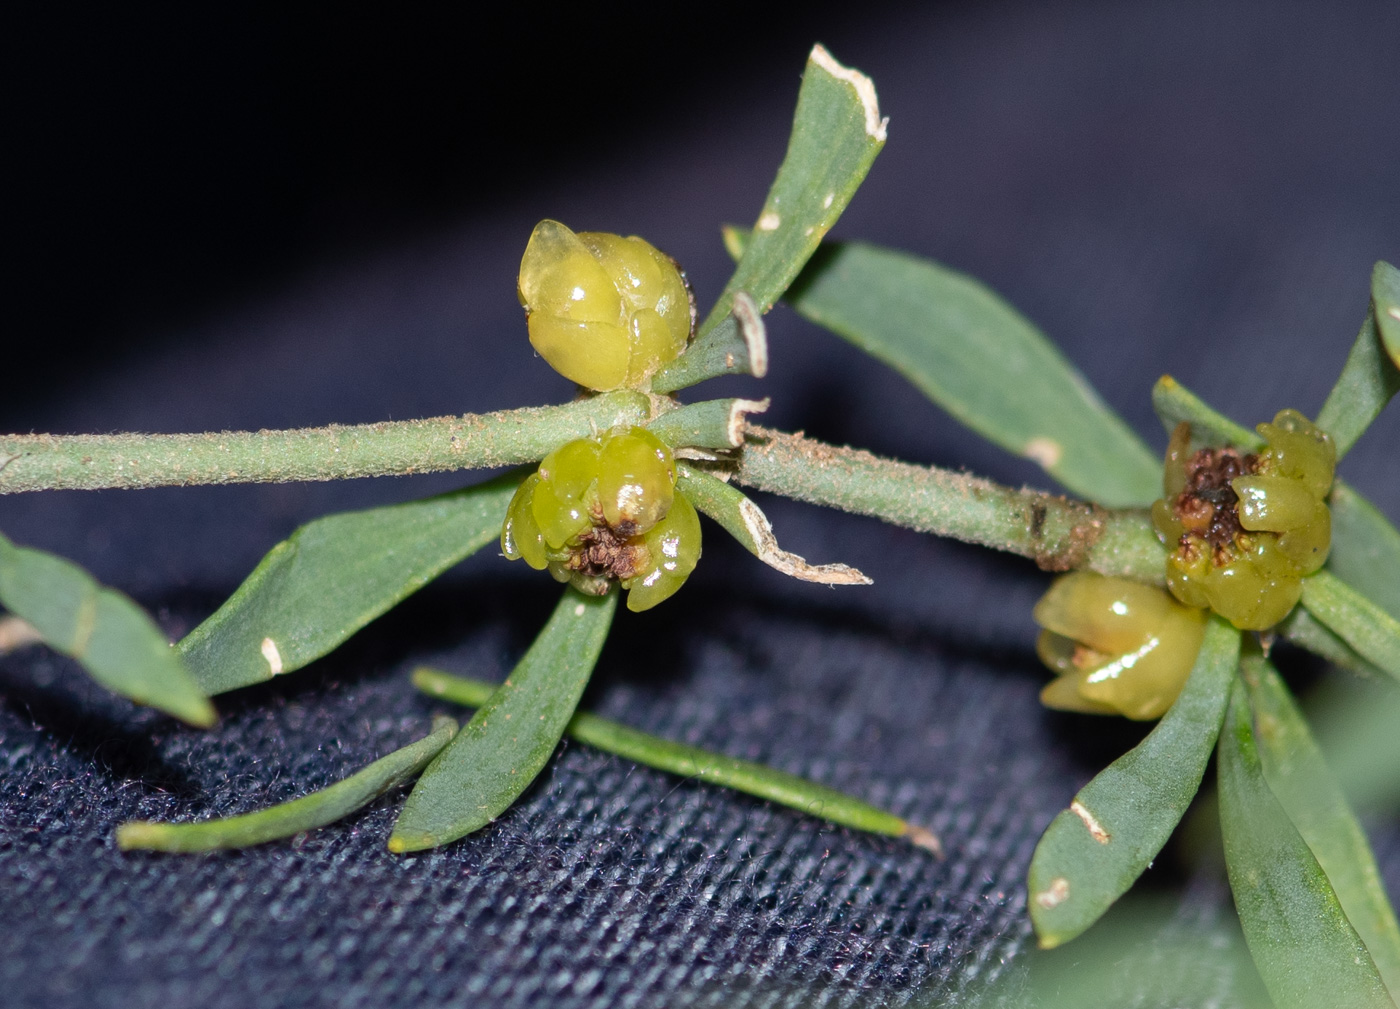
(603,310)
(1118,646)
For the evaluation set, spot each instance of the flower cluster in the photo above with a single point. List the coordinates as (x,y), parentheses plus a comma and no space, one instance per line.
(1119,646)
(1246,528)
(605,509)
(603,310)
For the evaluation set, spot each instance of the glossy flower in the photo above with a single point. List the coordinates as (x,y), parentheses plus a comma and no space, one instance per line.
(605,509)
(1245,529)
(1119,647)
(603,310)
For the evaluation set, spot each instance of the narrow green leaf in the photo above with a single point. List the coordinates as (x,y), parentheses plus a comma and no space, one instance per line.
(509,740)
(1307,952)
(334,575)
(1363,625)
(1304,630)
(1365,549)
(1093,852)
(982,361)
(836,133)
(289,818)
(1385,296)
(1299,778)
(112,637)
(1354,723)
(736,345)
(743,520)
(692,762)
(1371,375)
(712,424)
(1175,403)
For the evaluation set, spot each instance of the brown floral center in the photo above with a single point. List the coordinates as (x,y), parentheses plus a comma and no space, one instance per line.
(605,552)
(1208,507)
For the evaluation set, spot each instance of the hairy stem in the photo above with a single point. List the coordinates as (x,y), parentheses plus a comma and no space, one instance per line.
(471,441)
(1056,532)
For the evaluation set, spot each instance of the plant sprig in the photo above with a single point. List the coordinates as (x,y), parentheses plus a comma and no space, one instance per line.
(1316,918)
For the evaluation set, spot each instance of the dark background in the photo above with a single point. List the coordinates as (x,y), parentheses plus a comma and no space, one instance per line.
(248,218)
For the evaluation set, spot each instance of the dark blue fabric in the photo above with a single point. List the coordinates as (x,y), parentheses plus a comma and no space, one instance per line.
(1194,188)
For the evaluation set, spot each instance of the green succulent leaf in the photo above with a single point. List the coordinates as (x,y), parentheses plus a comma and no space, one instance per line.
(1305,631)
(711,424)
(1299,778)
(736,345)
(1306,950)
(745,521)
(1363,625)
(110,636)
(1093,852)
(1385,296)
(692,762)
(294,817)
(982,361)
(836,133)
(333,576)
(1371,375)
(1175,403)
(1365,549)
(507,743)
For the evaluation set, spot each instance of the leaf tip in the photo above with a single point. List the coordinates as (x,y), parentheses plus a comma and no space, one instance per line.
(738,424)
(750,319)
(399,845)
(922,837)
(197,712)
(876,126)
(139,834)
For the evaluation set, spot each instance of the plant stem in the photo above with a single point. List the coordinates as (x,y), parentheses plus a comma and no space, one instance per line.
(471,441)
(1056,532)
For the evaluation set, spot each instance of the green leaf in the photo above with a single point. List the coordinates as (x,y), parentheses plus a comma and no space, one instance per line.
(1306,950)
(1175,403)
(1370,376)
(509,740)
(836,133)
(1093,852)
(743,520)
(1363,625)
(1385,297)
(290,818)
(736,345)
(1354,723)
(982,361)
(711,424)
(1299,778)
(1365,549)
(692,762)
(1304,630)
(336,574)
(112,637)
